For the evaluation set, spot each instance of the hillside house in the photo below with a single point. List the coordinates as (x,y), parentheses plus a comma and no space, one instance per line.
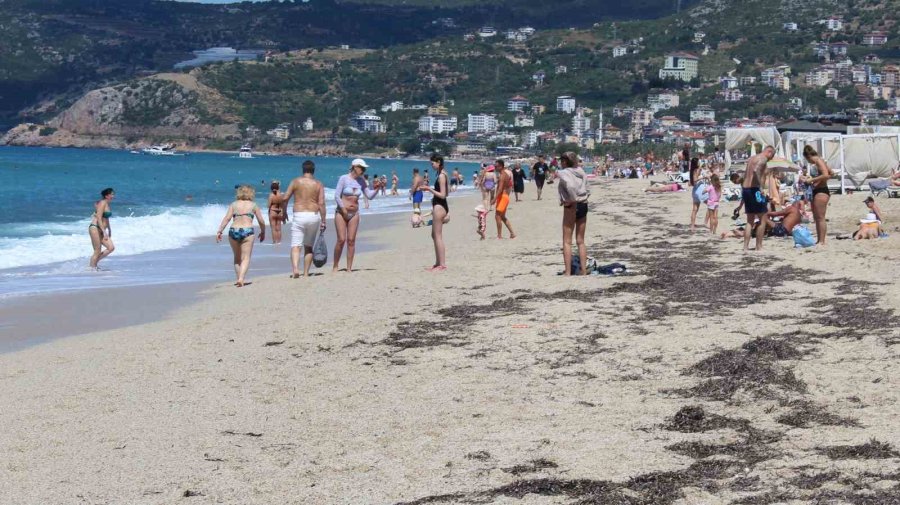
(482,123)
(790,27)
(831,93)
(437,124)
(681,66)
(565,104)
(619,51)
(367,121)
(524,121)
(517,103)
(661,100)
(875,39)
(308,125)
(834,23)
(487,32)
(703,113)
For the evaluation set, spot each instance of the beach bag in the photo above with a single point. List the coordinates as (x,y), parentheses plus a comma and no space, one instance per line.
(700,194)
(803,237)
(320,251)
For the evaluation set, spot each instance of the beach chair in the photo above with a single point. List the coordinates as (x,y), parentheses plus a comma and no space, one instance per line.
(879,186)
(893,191)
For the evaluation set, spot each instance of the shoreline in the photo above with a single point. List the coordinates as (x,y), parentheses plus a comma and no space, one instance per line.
(703,375)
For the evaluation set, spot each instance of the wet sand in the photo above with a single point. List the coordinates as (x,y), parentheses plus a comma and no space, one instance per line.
(704,375)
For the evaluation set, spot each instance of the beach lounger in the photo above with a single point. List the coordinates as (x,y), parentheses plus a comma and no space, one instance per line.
(879,186)
(893,191)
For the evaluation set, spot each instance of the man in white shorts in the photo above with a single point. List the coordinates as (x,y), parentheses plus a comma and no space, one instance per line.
(309,216)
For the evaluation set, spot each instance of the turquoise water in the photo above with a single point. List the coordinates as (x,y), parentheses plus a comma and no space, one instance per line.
(165,214)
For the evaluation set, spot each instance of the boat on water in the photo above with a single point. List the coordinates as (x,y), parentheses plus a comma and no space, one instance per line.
(245,152)
(161,150)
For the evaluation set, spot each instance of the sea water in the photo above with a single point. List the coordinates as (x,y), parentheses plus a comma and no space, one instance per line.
(165,213)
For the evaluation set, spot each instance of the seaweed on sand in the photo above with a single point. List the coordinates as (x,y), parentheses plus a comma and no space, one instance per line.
(805,414)
(695,419)
(535,465)
(873,449)
(753,368)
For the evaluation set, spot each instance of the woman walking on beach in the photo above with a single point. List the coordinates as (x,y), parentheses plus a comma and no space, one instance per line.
(573,196)
(440,212)
(350,188)
(518,180)
(99,229)
(241,213)
(277,215)
(487,181)
(820,173)
(504,187)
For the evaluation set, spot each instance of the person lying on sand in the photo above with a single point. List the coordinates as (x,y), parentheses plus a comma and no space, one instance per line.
(666,187)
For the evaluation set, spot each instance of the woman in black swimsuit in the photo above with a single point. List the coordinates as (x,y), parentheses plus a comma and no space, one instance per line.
(440,212)
(820,195)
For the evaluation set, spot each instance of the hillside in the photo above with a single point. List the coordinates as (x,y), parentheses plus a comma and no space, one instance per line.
(479,76)
(58,49)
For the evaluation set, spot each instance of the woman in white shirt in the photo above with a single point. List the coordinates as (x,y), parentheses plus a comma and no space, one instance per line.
(573,196)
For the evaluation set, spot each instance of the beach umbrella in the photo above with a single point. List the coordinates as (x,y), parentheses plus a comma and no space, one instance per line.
(782,165)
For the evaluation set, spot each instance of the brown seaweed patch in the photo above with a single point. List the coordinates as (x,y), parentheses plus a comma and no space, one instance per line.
(873,449)
(535,465)
(805,414)
(695,419)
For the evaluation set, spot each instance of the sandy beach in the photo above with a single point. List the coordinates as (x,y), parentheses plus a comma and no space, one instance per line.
(702,376)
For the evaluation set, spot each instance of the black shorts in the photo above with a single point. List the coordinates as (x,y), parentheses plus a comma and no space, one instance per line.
(581,210)
(454,182)
(779,231)
(539,181)
(754,201)
(824,190)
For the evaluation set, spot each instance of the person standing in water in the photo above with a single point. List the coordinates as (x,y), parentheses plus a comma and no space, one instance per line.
(820,173)
(100,230)
(752,198)
(241,213)
(277,215)
(504,187)
(309,216)
(440,212)
(350,188)
(415,191)
(394,181)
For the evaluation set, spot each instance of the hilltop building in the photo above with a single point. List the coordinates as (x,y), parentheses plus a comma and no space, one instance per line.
(662,100)
(517,103)
(703,113)
(280,132)
(681,66)
(367,121)
(308,125)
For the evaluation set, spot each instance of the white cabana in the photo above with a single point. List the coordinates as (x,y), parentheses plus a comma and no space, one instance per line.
(737,139)
(866,156)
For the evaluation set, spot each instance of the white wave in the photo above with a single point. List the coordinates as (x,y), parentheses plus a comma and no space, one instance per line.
(132,235)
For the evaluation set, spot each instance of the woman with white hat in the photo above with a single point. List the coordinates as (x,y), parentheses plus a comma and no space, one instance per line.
(350,188)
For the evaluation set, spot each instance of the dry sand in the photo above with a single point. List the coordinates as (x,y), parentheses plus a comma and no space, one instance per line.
(704,376)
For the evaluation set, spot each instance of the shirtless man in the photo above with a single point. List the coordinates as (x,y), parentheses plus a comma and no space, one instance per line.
(753,199)
(394,181)
(309,216)
(791,217)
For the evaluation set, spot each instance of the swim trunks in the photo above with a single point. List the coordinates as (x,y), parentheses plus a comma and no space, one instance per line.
(539,181)
(502,203)
(417,197)
(779,231)
(304,228)
(754,201)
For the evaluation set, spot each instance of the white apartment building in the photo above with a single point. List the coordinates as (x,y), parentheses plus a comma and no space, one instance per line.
(517,103)
(619,51)
(662,101)
(580,125)
(565,104)
(732,95)
(367,121)
(781,82)
(833,23)
(392,107)
(790,27)
(703,113)
(681,66)
(280,132)
(831,93)
(820,77)
(482,123)
(308,125)
(437,124)
(641,117)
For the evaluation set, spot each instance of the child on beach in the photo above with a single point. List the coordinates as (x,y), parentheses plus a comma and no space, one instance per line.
(481,217)
(713,192)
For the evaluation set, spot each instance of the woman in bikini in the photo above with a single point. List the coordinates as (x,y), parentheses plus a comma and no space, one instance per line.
(240,236)
(573,197)
(277,215)
(440,212)
(504,187)
(350,188)
(99,229)
(820,173)
(487,181)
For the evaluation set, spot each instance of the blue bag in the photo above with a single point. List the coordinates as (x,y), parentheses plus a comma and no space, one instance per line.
(803,237)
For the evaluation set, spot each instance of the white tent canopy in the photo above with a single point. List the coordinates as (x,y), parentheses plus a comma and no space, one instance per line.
(737,139)
(869,155)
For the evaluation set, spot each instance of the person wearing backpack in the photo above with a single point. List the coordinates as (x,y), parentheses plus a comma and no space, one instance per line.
(573,197)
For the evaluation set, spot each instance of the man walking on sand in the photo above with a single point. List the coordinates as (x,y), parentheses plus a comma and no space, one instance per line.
(309,216)
(753,199)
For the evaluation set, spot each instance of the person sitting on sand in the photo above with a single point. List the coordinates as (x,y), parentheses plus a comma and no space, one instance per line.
(309,216)
(241,213)
(664,187)
(791,217)
(100,230)
(895,177)
(870,226)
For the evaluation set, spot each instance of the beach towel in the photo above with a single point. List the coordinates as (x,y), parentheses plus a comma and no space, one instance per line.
(320,251)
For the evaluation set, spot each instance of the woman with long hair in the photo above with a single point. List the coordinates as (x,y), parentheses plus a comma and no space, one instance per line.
(350,188)
(100,230)
(277,215)
(573,197)
(240,236)
(440,212)
(820,173)
(501,204)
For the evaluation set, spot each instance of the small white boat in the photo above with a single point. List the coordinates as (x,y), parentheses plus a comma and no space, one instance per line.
(161,150)
(245,152)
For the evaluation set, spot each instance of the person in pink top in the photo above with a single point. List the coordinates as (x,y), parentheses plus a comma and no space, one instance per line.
(714,193)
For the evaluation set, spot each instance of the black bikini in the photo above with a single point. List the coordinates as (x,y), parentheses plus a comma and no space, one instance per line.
(436,200)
